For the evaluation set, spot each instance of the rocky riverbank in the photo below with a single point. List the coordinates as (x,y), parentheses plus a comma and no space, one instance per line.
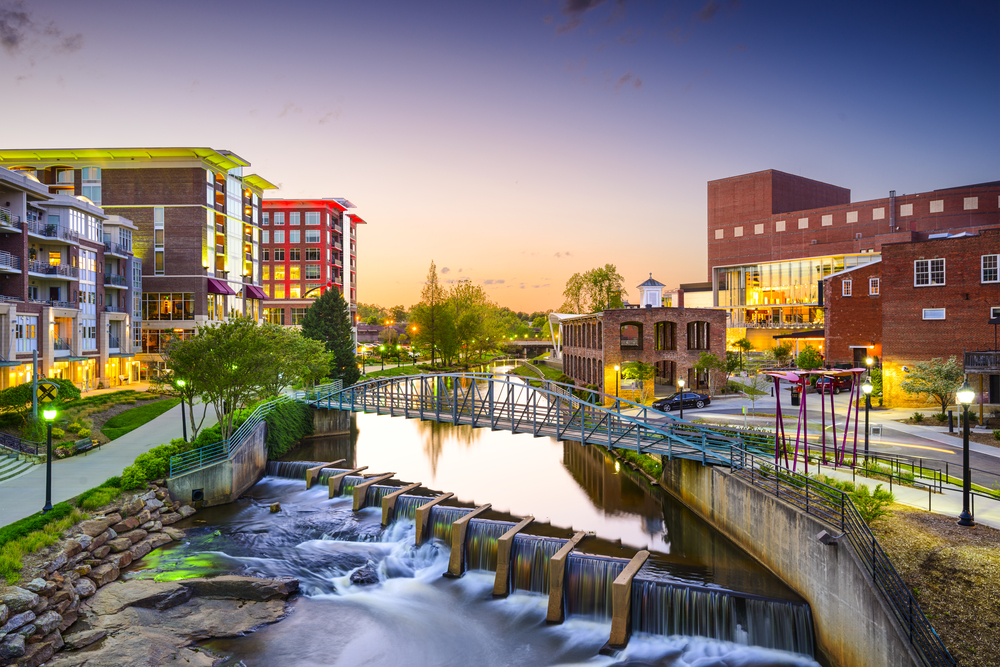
(75,603)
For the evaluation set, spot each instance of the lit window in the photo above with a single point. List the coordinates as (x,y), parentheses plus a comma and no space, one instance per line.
(295,291)
(295,272)
(873,286)
(928,272)
(279,271)
(267,272)
(989,269)
(933,313)
(846,288)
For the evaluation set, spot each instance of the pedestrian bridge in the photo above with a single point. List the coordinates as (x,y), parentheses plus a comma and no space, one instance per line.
(539,407)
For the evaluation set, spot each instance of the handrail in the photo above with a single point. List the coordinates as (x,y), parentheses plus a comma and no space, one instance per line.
(19,445)
(836,508)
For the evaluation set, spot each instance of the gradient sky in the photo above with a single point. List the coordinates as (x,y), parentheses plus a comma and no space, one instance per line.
(517,142)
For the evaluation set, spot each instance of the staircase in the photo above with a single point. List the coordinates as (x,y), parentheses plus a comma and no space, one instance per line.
(12,466)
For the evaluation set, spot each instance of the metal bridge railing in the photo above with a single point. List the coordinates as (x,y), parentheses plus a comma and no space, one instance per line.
(836,508)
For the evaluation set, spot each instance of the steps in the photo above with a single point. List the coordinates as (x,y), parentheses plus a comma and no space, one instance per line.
(12,467)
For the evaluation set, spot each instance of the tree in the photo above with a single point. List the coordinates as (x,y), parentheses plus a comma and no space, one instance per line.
(639,370)
(782,353)
(429,315)
(328,320)
(709,362)
(596,290)
(733,360)
(398,313)
(743,345)
(574,293)
(298,358)
(757,385)
(937,378)
(809,359)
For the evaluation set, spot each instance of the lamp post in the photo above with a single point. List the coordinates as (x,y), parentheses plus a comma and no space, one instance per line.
(617,371)
(381,355)
(965,396)
(184,428)
(867,389)
(399,353)
(680,390)
(49,414)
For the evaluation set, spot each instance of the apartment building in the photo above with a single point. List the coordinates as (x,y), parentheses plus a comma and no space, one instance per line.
(195,229)
(308,246)
(67,283)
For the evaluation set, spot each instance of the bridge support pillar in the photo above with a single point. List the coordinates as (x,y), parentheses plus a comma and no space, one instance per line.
(501,585)
(331,422)
(557,574)
(456,562)
(313,473)
(337,480)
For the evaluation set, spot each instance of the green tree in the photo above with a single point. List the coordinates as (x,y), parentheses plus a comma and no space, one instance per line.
(598,289)
(541,322)
(809,359)
(328,320)
(429,315)
(574,294)
(299,359)
(367,311)
(937,378)
(782,353)
(743,345)
(709,362)
(399,314)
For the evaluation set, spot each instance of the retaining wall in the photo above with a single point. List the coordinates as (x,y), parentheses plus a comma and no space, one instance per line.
(853,625)
(225,481)
(331,422)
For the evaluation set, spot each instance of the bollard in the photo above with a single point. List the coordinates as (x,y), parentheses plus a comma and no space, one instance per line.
(951,421)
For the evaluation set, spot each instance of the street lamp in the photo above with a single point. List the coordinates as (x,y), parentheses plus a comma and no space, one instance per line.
(49,414)
(381,355)
(965,396)
(617,369)
(399,354)
(184,428)
(680,390)
(867,388)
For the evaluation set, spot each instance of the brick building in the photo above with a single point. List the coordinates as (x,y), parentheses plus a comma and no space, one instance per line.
(308,246)
(196,217)
(853,315)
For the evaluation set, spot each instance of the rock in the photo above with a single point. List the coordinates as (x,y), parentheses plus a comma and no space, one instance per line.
(142,593)
(36,585)
(186,511)
(82,570)
(59,596)
(101,552)
(147,526)
(172,517)
(17,621)
(161,495)
(70,576)
(78,640)
(72,548)
(56,638)
(36,654)
(85,541)
(50,589)
(243,588)
(365,576)
(56,577)
(125,525)
(83,556)
(121,560)
(154,504)
(120,544)
(43,604)
(48,622)
(135,506)
(142,517)
(114,517)
(18,599)
(174,533)
(106,573)
(28,631)
(12,647)
(159,482)
(149,495)
(101,539)
(139,550)
(85,587)
(3,614)
(275,508)
(56,563)
(93,527)
(69,618)
(157,540)
(134,535)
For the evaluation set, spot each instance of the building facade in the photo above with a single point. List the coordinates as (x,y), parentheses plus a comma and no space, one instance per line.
(308,246)
(196,216)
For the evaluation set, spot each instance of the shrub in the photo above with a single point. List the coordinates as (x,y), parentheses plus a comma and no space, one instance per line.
(286,425)
(996,434)
(151,465)
(100,495)
(84,433)
(19,529)
(918,417)
(872,506)
(941,417)
(58,433)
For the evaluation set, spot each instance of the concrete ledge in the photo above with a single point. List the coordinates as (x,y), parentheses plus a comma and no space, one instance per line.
(389,503)
(312,474)
(423,517)
(336,480)
(456,561)
(361,490)
(501,585)
(621,601)
(557,574)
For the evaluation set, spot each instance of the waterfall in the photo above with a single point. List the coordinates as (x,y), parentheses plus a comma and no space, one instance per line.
(442,518)
(375,494)
(406,506)
(325,474)
(348,483)
(670,609)
(529,558)
(588,584)
(290,469)
(481,543)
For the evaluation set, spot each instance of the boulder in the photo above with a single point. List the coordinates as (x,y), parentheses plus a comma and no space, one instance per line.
(135,506)
(186,511)
(121,560)
(85,587)
(93,527)
(125,525)
(50,589)
(36,585)
(69,618)
(105,574)
(149,495)
(28,631)
(154,504)
(59,596)
(48,622)
(174,533)
(72,548)
(18,599)
(4,613)
(43,604)
(56,638)
(169,518)
(82,570)
(142,593)
(142,517)
(12,647)
(101,539)
(56,563)
(365,576)
(85,541)
(120,544)
(139,550)
(158,540)
(134,535)
(70,576)
(243,588)
(78,640)
(36,654)
(17,621)
(114,518)
(161,495)
(101,552)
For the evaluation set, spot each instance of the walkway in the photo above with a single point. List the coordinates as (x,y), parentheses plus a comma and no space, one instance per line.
(24,495)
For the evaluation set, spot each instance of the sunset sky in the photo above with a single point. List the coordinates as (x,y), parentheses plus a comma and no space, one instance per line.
(517,142)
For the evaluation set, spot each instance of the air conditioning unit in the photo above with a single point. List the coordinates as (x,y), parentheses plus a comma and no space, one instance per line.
(857,236)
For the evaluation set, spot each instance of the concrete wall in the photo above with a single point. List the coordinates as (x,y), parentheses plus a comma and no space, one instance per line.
(853,625)
(331,422)
(225,481)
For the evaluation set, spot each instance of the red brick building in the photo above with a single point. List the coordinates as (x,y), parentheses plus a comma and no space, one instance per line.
(853,323)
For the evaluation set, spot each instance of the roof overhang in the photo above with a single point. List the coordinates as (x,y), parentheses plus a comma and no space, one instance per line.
(220,159)
(271,203)
(259,182)
(356,219)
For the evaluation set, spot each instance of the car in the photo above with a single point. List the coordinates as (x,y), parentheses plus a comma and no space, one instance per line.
(691,400)
(834,384)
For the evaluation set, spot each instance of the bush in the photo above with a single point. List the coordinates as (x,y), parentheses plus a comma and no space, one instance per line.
(37,521)
(151,465)
(996,434)
(49,532)
(100,495)
(287,424)
(84,433)
(918,417)
(872,506)
(941,417)
(58,433)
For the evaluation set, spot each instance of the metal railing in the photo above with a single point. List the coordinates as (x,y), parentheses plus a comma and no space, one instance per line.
(15,444)
(113,309)
(982,361)
(117,281)
(836,508)
(51,230)
(7,218)
(59,343)
(114,342)
(224,449)
(9,261)
(115,248)
(63,270)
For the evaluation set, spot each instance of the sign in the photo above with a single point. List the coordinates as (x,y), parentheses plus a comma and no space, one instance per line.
(47,392)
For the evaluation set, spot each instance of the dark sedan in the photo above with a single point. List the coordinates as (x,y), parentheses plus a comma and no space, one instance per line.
(691,400)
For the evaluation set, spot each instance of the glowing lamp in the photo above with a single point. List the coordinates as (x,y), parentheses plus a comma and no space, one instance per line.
(965,394)
(869,361)
(49,414)
(867,387)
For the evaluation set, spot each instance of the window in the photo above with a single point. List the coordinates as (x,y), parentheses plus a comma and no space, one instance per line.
(312,271)
(167,306)
(267,218)
(267,272)
(279,219)
(994,312)
(313,255)
(294,254)
(779,226)
(989,268)
(933,313)
(295,291)
(312,291)
(720,233)
(937,206)
(312,236)
(928,272)
(631,336)
(266,255)
(312,218)
(279,271)
(274,315)
(25,331)
(738,232)
(803,223)
(279,291)
(294,236)
(878,213)
(295,272)
(970,203)
(664,335)
(265,236)
(827,220)
(873,286)
(905,210)
(846,288)
(279,235)
(758,228)
(279,254)
(852,216)
(158,269)
(293,218)
(698,336)
(299,314)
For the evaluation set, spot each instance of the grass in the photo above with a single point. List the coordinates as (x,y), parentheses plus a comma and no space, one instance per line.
(132,419)
(14,550)
(101,495)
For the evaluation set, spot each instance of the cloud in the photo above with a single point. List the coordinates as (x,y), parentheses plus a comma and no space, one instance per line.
(711,8)
(445,269)
(450,282)
(628,79)
(72,44)
(18,27)
(289,106)
(501,281)
(738,47)
(630,36)
(565,253)
(494,281)
(330,115)
(578,7)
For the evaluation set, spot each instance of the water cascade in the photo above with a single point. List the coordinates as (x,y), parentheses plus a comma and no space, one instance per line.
(375,494)
(442,518)
(529,557)
(406,506)
(292,469)
(664,608)
(481,543)
(348,484)
(588,584)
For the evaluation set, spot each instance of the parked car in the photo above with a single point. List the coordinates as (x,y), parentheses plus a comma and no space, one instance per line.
(834,383)
(691,400)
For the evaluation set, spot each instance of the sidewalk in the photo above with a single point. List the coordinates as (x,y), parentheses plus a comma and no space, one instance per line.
(24,495)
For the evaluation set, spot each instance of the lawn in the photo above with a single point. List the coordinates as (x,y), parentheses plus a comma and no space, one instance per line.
(132,419)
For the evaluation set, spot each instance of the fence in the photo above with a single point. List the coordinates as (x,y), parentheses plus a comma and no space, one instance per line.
(15,444)
(834,507)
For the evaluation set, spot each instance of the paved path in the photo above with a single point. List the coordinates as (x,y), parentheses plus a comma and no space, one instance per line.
(24,495)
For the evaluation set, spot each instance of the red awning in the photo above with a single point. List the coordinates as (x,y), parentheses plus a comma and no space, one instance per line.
(254,292)
(219,287)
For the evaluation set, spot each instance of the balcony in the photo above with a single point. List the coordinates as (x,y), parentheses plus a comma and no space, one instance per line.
(113,309)
(220,228)
(338,245)
(114,343)
(64,271)
(9,262)
(337,262)
(112,248)
(115,281)
(248,256)
(220,249)
(982,362)
(60,344)
(51,232)
(8,221)
(248,238)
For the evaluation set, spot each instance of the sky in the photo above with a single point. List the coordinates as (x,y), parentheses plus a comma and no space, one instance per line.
(516,143)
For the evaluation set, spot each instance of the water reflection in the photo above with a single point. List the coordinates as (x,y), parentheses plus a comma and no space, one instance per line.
(434,435)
